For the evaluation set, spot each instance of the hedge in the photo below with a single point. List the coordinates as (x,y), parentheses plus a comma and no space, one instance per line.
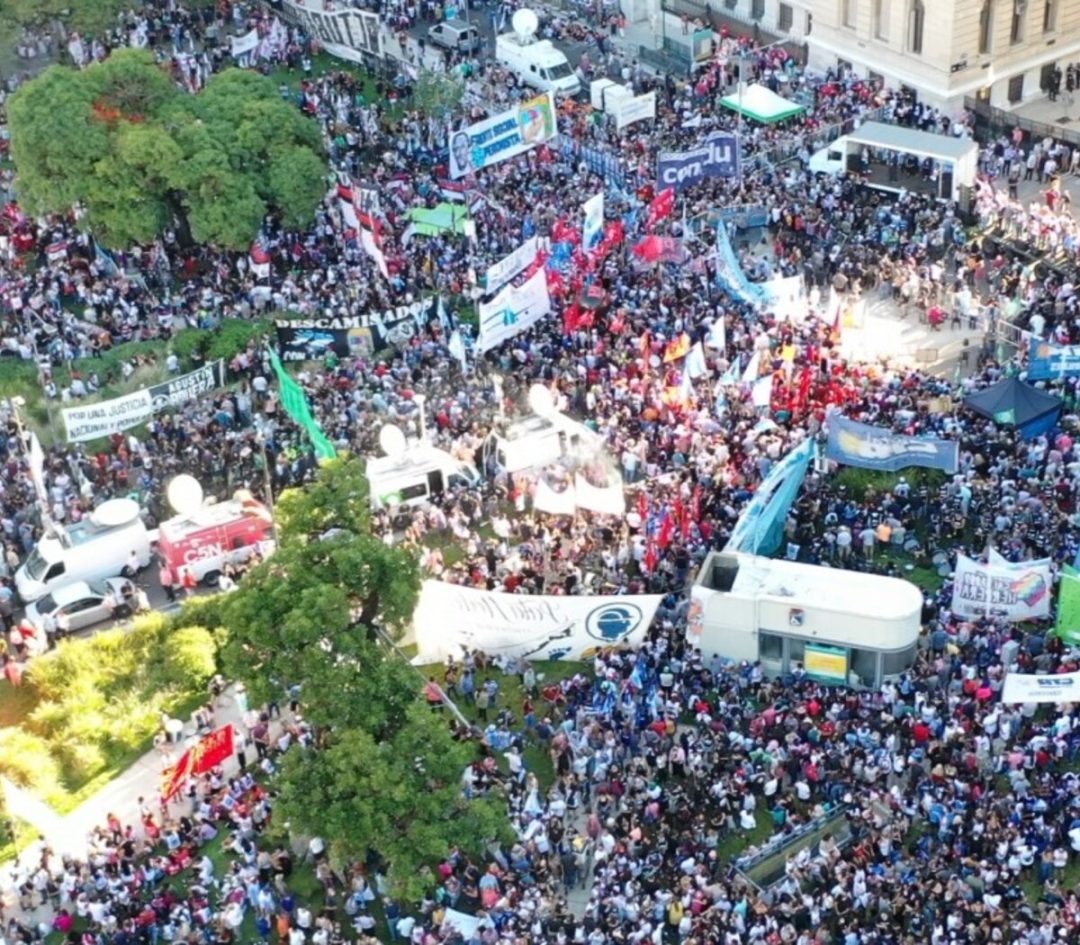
(99,704)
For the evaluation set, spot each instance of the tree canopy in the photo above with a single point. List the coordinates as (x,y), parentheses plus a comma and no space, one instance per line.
(385,774)
(137,155)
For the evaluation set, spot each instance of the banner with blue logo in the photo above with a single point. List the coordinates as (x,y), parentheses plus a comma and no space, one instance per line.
(1026,687)
(514,310)
(1048,361)
(605,164)
(534,626)
(717,156)
(870,447)
(761,525)
(729,273)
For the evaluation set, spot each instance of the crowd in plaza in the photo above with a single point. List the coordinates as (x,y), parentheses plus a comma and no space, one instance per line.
(950,817)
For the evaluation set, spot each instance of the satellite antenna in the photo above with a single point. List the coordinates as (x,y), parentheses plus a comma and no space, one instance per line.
(185,494)
(392,441)
(540,399)
(524,22)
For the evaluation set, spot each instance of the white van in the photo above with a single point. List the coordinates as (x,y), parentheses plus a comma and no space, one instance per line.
(416,476)
(96,547)
(535,442)
(537,63)
(829,160)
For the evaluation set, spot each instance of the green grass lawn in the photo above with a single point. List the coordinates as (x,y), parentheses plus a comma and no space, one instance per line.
(511,696)
(20,836)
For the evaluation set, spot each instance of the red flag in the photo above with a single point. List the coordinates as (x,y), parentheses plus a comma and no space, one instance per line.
(667,529)
(173,779)
(651,556)
(695,504)
(571,318)
(614,232)
(212,749)
(642,507)
(680,516)
(660,206)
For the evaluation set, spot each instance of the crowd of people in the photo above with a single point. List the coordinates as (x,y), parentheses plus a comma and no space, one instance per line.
(937,814)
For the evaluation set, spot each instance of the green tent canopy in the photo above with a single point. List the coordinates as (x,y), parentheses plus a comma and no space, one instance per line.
(446,217)
(761,104)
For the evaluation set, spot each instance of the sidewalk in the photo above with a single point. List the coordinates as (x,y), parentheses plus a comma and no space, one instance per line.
(69,834)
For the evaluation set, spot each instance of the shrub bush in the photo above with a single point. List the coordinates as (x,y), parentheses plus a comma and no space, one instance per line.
(27,760)
(100,699)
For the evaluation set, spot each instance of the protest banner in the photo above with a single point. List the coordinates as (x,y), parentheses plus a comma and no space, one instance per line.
(349,33)
(634,108)
(870,447)
(209,751)
(512,311)
(90,421)
(537,626)
(1015,592)
(1049,362)
(503,136)
(1023,687)
(718,156)
(309,339)
(500,273)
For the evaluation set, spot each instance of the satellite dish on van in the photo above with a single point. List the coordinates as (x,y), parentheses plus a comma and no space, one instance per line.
(185,494)
(540,399)
(115,512)
(525,22)
(392,441)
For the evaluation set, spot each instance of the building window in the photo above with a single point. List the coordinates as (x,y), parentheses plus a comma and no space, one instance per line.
(881,20)
(785,19)
(1016,89)
(916,26)
(731,4)
(848,12)
(1016,29)
(757,9)
(986,27)
(770,647)
(1049,16)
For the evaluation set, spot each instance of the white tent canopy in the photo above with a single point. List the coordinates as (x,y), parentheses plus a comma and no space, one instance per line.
(761,104)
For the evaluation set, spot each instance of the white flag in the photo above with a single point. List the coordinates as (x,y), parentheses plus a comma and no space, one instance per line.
(750,375)
(695,362)
(763,391)
(456,347)
(717,337)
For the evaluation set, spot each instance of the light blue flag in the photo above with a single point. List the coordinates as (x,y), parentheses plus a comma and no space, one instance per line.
(761,525)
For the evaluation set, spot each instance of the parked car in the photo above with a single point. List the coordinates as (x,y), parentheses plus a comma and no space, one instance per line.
(84,603)
(455,36)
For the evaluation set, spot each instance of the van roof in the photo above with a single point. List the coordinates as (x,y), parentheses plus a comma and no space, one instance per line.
(541,51)
(530,426)
(209,516)
(459,27)
(107,517)
(418,459)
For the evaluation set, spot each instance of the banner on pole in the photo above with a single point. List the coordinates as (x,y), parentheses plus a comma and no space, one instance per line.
(1050,362)
(350,34)
(544,627)
(592,229)
(208,752)
(122,413)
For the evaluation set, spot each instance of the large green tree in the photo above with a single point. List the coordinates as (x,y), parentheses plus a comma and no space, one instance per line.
(137,154)
(385,773)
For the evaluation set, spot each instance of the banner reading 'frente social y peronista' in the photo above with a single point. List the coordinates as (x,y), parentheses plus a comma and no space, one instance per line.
(90,421)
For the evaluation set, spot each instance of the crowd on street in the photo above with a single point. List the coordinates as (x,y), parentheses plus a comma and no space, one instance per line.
(945,816)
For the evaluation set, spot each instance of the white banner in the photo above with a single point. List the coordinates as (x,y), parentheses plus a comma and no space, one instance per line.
(539,626)
(1061,687)
(1014,591)
(512,311)
(592,228)
(608,500)
(510,266)
(554,501)
(503,136)
(786,297)
(122,413)
(350,34)
(634,109)
(241,45)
